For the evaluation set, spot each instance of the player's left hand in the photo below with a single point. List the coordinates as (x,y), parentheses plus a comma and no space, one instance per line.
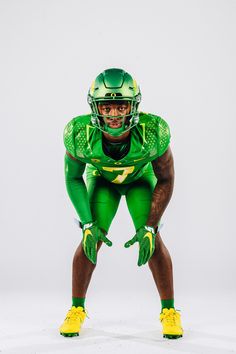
(146,238)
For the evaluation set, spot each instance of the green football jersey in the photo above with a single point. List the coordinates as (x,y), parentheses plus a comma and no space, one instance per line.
(149,139)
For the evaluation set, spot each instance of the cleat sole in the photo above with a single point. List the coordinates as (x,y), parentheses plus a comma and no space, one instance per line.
(69,334)
(172,336)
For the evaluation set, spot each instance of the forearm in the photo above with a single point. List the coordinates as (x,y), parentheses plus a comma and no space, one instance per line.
(77,190)
(160,199)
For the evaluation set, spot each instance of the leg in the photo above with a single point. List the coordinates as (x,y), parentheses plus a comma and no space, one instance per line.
(161,267)
(82,271)
(104,201)
(139,202)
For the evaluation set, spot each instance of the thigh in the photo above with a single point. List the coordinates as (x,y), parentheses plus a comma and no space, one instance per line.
(139,197)
(104,200)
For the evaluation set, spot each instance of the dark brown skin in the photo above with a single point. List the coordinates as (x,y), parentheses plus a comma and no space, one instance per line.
(163,168)
(82,271)
(160,262)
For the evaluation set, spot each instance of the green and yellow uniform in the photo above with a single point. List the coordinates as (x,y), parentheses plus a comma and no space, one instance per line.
(114,169)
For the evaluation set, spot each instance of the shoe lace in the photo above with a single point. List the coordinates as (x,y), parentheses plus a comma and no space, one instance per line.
(170,317)
(74,313)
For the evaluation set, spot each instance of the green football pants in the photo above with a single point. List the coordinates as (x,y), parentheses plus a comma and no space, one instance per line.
(104,197)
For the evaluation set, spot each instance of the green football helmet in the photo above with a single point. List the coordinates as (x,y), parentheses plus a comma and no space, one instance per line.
(114,86)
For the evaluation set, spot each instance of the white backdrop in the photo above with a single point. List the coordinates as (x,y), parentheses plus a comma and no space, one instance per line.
(182,53)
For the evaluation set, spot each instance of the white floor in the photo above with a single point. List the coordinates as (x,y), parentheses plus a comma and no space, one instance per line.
(30,326)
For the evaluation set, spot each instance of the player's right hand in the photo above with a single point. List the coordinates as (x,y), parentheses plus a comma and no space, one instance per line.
(145,236)
(91,235)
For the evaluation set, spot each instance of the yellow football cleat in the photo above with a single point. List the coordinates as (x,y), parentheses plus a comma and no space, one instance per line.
(171,323)
(73,321)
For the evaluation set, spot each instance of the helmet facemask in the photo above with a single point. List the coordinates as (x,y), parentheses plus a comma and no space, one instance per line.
(103,121)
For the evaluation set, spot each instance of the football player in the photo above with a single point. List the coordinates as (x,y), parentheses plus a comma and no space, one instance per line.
(126,153)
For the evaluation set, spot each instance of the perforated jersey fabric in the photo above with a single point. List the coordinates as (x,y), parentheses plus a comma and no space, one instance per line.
(150,139)
(75,135)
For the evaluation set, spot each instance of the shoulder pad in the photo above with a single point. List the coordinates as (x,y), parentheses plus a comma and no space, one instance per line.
(160,126)
(71,131)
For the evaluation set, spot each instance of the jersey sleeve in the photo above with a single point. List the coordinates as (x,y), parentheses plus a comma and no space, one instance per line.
(76,188)
(163,136)
(69,138)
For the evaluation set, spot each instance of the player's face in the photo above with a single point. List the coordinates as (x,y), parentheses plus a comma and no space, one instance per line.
(116,110)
